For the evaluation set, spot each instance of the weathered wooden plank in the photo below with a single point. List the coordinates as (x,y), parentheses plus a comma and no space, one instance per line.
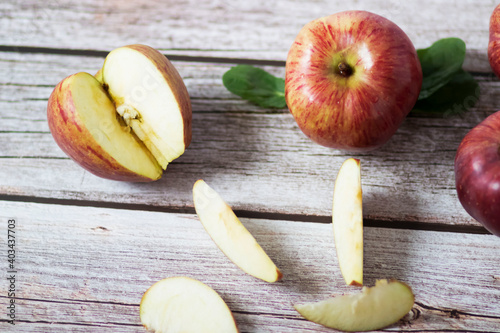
(60,316)
(262,163)
(27,80)
(410,179)
(236,29)
(87,268)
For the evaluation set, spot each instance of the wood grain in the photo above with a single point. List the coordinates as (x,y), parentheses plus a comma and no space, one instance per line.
(88,248)
(233,29)
(236,146)
(87,268)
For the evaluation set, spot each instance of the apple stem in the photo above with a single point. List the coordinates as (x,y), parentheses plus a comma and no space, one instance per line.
(345,70)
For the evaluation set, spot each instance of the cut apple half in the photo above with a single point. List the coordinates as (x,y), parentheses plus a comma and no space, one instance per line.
(347,220)
(128,121)
(229,234)
(182,304)
(372,309)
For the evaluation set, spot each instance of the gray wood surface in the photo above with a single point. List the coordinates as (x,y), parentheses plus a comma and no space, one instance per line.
(88,248)
(237,145)
(229,29)
(84,266)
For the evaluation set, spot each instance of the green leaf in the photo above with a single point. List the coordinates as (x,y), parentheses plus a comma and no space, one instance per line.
(256,85)
(446,88)
(457,96)
(440,62)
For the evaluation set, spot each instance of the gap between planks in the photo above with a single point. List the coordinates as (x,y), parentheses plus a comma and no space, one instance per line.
(57,238)
(370,223)
(172,57)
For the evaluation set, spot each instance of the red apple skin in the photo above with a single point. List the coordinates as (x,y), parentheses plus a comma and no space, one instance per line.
(494,43)
(477,173)
(363,111)
(77,142)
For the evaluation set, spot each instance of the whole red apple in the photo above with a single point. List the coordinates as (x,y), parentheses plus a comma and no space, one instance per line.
(494,43)
(351,79)
(477,173)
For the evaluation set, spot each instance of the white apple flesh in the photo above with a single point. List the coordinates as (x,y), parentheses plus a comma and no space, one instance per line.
(150,100)
(182,304)
(230,235)
(347,220)
(372,309)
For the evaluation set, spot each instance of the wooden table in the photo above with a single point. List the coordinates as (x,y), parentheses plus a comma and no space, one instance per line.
(88,248)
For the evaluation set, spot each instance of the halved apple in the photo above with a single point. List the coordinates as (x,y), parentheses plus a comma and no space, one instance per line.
(182,304)
(128,121)
(372,309)
(229,234)
(347,220)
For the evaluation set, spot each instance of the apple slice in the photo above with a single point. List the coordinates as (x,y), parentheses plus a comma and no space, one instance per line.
(128,121)
(232,238)
(153,101)
(372,309)
(347,220)
(84,123)
(182,304)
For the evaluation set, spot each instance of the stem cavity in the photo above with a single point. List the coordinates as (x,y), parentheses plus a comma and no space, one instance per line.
(344,70)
